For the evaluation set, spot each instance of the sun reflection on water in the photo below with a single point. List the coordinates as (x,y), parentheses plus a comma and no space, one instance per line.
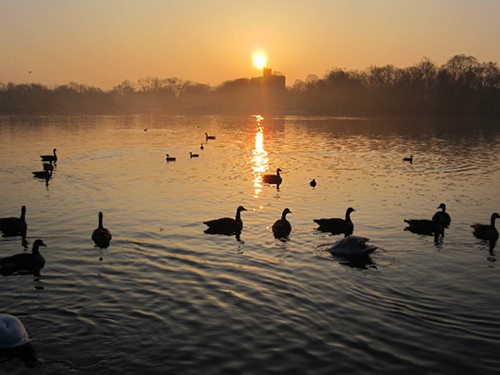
(259,158)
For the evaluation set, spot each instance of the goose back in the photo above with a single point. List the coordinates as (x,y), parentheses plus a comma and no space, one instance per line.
(101,236)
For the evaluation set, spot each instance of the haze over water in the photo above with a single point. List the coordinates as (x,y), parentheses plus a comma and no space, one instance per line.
(167,298)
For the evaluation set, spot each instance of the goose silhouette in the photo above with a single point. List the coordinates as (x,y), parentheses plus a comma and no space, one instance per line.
(50,158)
(313,183)
(487,232)
(191,155)
(282,227)
(101,235)
(273,178)
(170,158)
(226,225)
(337,225)
(24,262)
(202,147)
(442,217)
(14,226)
(207,137)
(350,246)
(410,159)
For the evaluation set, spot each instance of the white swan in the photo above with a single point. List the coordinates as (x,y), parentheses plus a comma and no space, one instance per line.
(12,332)
(350,246)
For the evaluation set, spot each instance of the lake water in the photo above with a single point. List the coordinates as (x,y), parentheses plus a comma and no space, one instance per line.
(165,297)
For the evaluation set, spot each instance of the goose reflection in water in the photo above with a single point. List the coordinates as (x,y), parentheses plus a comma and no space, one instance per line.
(259,158)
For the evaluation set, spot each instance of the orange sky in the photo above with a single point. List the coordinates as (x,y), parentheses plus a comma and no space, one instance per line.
(103,42)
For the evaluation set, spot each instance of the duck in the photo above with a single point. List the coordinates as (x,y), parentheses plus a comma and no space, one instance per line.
(408,159)
(337,225)
(26,262)
(226,225)
(282,227)
(350,246)
(207,137)
(14,226)
(170,158)
(487,232)
(202,147)
(273,178)
(442,216)
(191,155)
(313,183)
(50,158)
(101,235)
(13,334)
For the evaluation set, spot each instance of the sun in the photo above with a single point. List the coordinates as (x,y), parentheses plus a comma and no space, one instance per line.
(259,59)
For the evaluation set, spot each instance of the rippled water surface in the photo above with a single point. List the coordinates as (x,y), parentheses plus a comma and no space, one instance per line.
(167,298)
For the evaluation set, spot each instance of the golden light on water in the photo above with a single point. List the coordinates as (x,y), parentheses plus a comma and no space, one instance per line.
(259,159)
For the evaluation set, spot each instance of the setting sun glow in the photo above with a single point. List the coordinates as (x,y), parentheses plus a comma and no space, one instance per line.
(259,59)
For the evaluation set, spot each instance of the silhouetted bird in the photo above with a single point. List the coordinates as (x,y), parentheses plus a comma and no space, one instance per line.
(48,167)
(170,158)
(282,227)
(313,183)
(226,225)
(442,217)
(101,235)
(337,225)
(50,158)
(191,155)
(26,262)
(410,159)
(202,147)
(42,174)
(207,137)
(14,226)
(487,232)
(351,246)
(273,178)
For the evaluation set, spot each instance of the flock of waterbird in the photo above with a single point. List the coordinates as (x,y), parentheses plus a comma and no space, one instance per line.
(13,335)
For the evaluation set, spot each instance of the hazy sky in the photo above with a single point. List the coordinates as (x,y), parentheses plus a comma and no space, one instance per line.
(103,42)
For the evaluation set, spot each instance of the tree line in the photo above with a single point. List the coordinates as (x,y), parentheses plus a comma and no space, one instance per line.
(461,86)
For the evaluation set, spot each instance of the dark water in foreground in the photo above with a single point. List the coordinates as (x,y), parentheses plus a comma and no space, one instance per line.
(167,298)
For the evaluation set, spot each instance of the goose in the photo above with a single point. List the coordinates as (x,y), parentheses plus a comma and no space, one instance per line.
(350,246)
(425,227)
(12,332)
(442,216)
(337,225)
(202,147)
(410,159)
(207,137)
(101,235)
(46,175)
(273,178)
(282,227)
(313,183)
(191,155)
(487,232)
(27,262)
(226,225)
(50,158)
(13,226)
(170,158)
(48,167)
